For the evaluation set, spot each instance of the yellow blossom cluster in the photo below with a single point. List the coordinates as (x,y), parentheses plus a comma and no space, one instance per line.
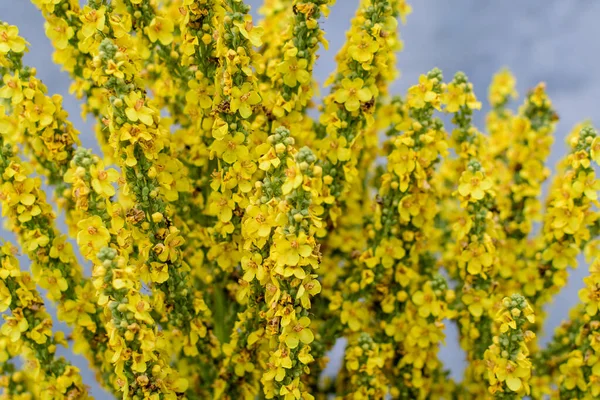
(27,332)
(507,359)
(238,229)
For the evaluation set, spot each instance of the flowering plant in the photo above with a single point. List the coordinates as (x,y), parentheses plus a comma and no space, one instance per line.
(234,238)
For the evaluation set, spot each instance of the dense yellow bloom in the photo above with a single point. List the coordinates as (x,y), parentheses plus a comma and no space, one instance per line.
(234,239)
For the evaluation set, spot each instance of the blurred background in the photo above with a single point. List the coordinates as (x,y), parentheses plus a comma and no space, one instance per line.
(554,41)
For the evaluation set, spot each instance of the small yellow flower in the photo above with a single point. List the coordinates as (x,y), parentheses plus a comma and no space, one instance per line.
(12,88)
(352,93)
(477,258)
(59,32)
(454,97)
(422,93)
(103,179)
(363,47)
(290,249)
(92,236)
(137,110)
(5,297)
(160,29)
(474,184)
(294,71)
(249,31)
(222,205)
(10,39)
(297,332)
(93,20)
(15,325)
(242,99)
(231,149)
(41,110)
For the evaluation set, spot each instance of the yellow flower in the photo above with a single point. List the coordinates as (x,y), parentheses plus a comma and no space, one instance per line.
(249,31)
(103,179)
(590,294)
(363,47)
(293,177)
(352,93)
(353,315)
(160,29)
(59,32)
(477,302)
(294,71)
(587,184)
(259,220)
(309,287)
(221,205)
(42,331)
(477,258)
(242,99)
(512,373)
(474,184)
(336,148)
(390,250)
(200,93)
(10,39)
(502,87)
(454,97)
(159,272)
(92,236)
(54,282)
(170,248)
(136,109)
(93,20)
(20,192)
(40,110)
(422,93)
(292,391)
(572,372)
(231,149)
(61,249)
(139,307)
(12,88)
(5,297)
(595,150)
(253,267)
(561,255)
(114,68)
(15,325)
(297,332)
(290,249)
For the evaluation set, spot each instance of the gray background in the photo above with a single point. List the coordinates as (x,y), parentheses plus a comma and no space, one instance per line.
(539,40)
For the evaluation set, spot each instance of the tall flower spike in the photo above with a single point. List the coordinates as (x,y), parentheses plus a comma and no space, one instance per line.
(54,267)
(579,374)
(39,123)
(470,256)
(75,34)
(507,359)
(568,218)
(30,328)
(365,69)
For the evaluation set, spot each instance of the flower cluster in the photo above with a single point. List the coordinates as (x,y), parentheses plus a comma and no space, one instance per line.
(234,238)
(507,359)
(28,333)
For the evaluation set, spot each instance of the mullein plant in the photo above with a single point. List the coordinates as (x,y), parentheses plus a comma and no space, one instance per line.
(237,228)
